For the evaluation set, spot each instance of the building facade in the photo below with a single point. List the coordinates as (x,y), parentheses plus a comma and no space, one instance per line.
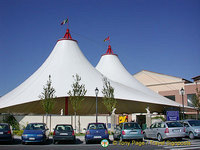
(170,86)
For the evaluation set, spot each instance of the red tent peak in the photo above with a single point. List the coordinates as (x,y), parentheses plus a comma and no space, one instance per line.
(109,51)
(67,35)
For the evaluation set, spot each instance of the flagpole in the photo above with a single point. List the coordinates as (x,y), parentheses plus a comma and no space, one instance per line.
(67,23)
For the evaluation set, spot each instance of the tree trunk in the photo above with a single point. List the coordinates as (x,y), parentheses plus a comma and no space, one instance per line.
(75,121)
(46,118)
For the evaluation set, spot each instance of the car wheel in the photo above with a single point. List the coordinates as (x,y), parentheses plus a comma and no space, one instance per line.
(87,142)
(191,135)
(179,139)
(54,142)
(159,137)
(74,141)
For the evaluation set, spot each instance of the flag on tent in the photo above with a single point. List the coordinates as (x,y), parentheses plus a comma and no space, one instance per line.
(64,21)
(108,38)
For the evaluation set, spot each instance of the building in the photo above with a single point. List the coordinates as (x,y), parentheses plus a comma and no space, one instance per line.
(170,86)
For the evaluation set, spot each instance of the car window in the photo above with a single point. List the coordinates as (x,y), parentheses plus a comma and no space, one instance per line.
(152,126)
(96,126)
(4,127)
(162,125)
(131,126)
(64,128)
(118,127)
(174,124)
(186,125)
(194,123)
(35,126)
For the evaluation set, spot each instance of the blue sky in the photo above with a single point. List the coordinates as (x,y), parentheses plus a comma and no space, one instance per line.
(156,35)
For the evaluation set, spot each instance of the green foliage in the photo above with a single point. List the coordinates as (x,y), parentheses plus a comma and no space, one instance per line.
(108,91)
(159,117)
(77,93)
(10,119)
(47,97)
(18,132)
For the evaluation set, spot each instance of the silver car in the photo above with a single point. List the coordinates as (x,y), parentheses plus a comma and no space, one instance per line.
(165,130)
(192,128)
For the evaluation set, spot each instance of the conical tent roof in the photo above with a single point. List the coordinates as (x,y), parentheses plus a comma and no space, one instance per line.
(66,60)
(111,67)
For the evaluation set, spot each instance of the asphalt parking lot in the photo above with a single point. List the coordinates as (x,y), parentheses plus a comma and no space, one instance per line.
(114,145)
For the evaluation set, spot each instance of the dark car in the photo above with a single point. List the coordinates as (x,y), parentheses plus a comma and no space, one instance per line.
(6,133)
(96,132)
(128,131)
(35,132)
(64,132)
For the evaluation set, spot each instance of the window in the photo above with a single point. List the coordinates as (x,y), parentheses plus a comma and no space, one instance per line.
(172,97)
(189,99)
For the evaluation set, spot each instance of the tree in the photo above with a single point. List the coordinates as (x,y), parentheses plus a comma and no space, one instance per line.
(108,100)
(77,94)
(196,102)
(47,97)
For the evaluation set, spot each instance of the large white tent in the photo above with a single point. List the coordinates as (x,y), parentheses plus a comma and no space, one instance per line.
(66,60)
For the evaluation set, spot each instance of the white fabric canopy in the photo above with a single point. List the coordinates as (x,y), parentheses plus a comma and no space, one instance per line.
(66,60)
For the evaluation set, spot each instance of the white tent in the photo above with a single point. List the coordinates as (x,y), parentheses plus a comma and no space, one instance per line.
(66,60)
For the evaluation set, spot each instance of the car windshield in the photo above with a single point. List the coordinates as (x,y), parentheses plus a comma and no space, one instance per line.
(35,126)
(96,126)
(131,126)
(194,123)
(64,128)
(3,127)
(174,124)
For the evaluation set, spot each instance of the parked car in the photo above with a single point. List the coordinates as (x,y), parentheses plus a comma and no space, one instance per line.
(6,134)
(96,132)
(192,128)
(165,130)
(128,131)
(35,132)
(64,132)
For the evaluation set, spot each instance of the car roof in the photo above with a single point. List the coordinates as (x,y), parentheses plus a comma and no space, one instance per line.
(97,123)
(64,124)
(37,123)
(4,124)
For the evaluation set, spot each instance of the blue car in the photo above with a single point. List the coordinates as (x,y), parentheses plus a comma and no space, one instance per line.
(35,132)
(96,132)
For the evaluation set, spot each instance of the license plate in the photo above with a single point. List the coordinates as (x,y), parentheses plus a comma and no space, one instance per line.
(133,132)
(1,132)
(63,133)
(32,139)
(176,130)
(96,137)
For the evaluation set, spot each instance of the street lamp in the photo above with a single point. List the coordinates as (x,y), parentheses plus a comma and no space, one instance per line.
(182,93)
(96,92)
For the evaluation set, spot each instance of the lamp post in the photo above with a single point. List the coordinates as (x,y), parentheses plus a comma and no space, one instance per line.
(182,93)
(96,92)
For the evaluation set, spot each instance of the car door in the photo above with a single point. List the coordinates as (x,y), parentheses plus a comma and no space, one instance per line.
(149,131)
(187,128)
(154,130)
